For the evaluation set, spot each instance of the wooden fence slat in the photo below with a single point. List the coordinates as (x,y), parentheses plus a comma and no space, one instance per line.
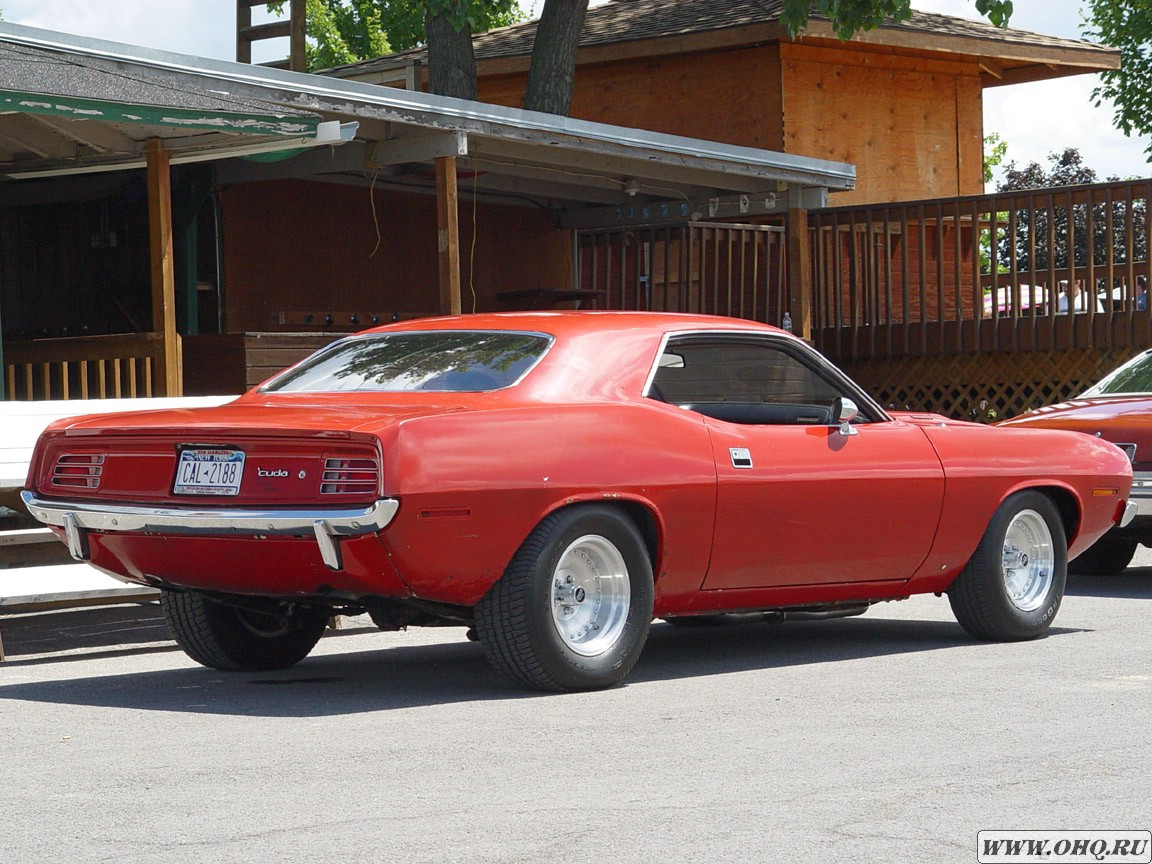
(77,367)
(1011,251)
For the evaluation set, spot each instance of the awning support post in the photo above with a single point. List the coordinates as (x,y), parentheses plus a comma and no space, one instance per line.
(163,269)
(448,234)
(799,264)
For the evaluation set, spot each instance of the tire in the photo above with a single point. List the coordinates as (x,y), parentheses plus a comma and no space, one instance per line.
(240,640)
(1108,556)
(1012,587)
(551,623)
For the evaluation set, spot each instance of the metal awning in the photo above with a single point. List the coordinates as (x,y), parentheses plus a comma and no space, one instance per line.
(558,162)
(64,113)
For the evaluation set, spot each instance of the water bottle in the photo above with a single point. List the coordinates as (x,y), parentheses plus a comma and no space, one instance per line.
(786,323)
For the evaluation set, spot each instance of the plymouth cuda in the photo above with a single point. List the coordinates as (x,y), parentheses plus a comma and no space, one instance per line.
(554,482)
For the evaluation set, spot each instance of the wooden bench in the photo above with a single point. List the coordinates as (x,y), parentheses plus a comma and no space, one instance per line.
(36,572)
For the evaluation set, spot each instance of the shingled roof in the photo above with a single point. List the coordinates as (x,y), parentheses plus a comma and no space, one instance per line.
(621,21)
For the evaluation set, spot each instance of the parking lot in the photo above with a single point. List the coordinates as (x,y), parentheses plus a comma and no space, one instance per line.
(889,737)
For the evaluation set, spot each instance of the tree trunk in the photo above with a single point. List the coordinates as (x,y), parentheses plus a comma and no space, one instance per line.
(451,63)
(553,69)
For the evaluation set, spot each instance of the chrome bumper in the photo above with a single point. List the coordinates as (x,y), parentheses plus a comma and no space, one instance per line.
(1131,509)
(326,525)
(1141,494)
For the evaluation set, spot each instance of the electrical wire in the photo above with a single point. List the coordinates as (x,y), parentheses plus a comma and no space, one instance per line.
(472,251)
(549,168)
(371,159)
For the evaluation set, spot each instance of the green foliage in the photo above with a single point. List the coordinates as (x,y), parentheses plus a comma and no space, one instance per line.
(477,15)
(995,149)
(1067,168)
(849,16)
(344,31)
(1125,25)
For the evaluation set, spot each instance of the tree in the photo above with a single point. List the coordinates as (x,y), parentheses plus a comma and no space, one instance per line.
(995,148)
(551,74)
(1067,168)
(345,31)
(849,16)
(342,29)
(1125,25)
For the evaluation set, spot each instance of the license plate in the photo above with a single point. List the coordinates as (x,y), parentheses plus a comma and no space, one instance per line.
(203,471)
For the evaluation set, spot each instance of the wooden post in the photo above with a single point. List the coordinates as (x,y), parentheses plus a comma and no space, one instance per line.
(190,241)
(799,265)
(4,377)
(163,271)
(243,22)
(297,57)
(448,235)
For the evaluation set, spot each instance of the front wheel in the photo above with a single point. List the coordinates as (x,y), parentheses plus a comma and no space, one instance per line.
(240,639)
(1013,585)
(573,608)
(1108,556)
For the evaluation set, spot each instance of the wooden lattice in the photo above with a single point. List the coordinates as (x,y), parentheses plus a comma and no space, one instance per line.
(983,387)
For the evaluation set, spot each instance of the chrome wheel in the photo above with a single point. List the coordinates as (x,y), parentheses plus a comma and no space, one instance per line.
(574,605)
(1029,560)
(1013,584)
(591,595)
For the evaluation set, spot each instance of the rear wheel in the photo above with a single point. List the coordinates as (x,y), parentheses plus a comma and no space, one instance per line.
(1108,556)
(573,608)
(1012,587)
(237,639)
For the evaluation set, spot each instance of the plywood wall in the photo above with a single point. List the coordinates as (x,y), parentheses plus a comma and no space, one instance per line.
(294,248)
(913,128)
(730,96)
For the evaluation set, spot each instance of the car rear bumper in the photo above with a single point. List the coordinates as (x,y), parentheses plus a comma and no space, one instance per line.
(327,525)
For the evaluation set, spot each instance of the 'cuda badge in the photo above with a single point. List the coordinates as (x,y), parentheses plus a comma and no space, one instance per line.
(264,472)
(741,457)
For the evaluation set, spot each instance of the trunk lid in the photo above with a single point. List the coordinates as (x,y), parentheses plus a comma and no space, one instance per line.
(250,453)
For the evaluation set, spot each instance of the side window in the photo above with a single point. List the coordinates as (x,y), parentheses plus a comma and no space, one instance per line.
(744,381)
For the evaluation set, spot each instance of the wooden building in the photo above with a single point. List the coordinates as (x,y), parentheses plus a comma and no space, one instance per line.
(906,290)
(902,102)
(280,210)
(417,213)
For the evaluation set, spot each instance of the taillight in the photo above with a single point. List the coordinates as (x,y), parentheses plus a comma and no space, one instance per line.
(350,476)
(78,470)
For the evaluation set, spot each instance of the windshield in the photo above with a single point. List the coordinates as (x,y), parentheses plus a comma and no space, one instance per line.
(457,361)
(1135,376)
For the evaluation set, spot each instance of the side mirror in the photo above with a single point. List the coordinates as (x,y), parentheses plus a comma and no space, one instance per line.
(844,411)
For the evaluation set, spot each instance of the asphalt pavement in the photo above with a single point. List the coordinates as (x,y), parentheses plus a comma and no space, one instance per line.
(891,737)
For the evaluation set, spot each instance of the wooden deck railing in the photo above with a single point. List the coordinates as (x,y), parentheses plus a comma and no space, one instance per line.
(715,268)
(982,273)
(87,367)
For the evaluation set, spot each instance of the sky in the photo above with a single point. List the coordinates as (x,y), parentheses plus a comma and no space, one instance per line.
(1035,119)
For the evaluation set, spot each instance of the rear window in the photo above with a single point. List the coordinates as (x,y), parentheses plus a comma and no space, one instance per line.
(454,361)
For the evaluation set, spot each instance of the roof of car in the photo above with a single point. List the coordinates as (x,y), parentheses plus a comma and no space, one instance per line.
(571,321)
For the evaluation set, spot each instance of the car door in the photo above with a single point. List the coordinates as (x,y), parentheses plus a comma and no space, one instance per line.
(802,499)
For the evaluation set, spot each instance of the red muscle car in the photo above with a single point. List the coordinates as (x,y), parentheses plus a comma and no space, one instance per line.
(554,481)
(1117,409)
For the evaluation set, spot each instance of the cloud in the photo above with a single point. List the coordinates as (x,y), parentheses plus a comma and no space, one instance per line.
(204,28)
